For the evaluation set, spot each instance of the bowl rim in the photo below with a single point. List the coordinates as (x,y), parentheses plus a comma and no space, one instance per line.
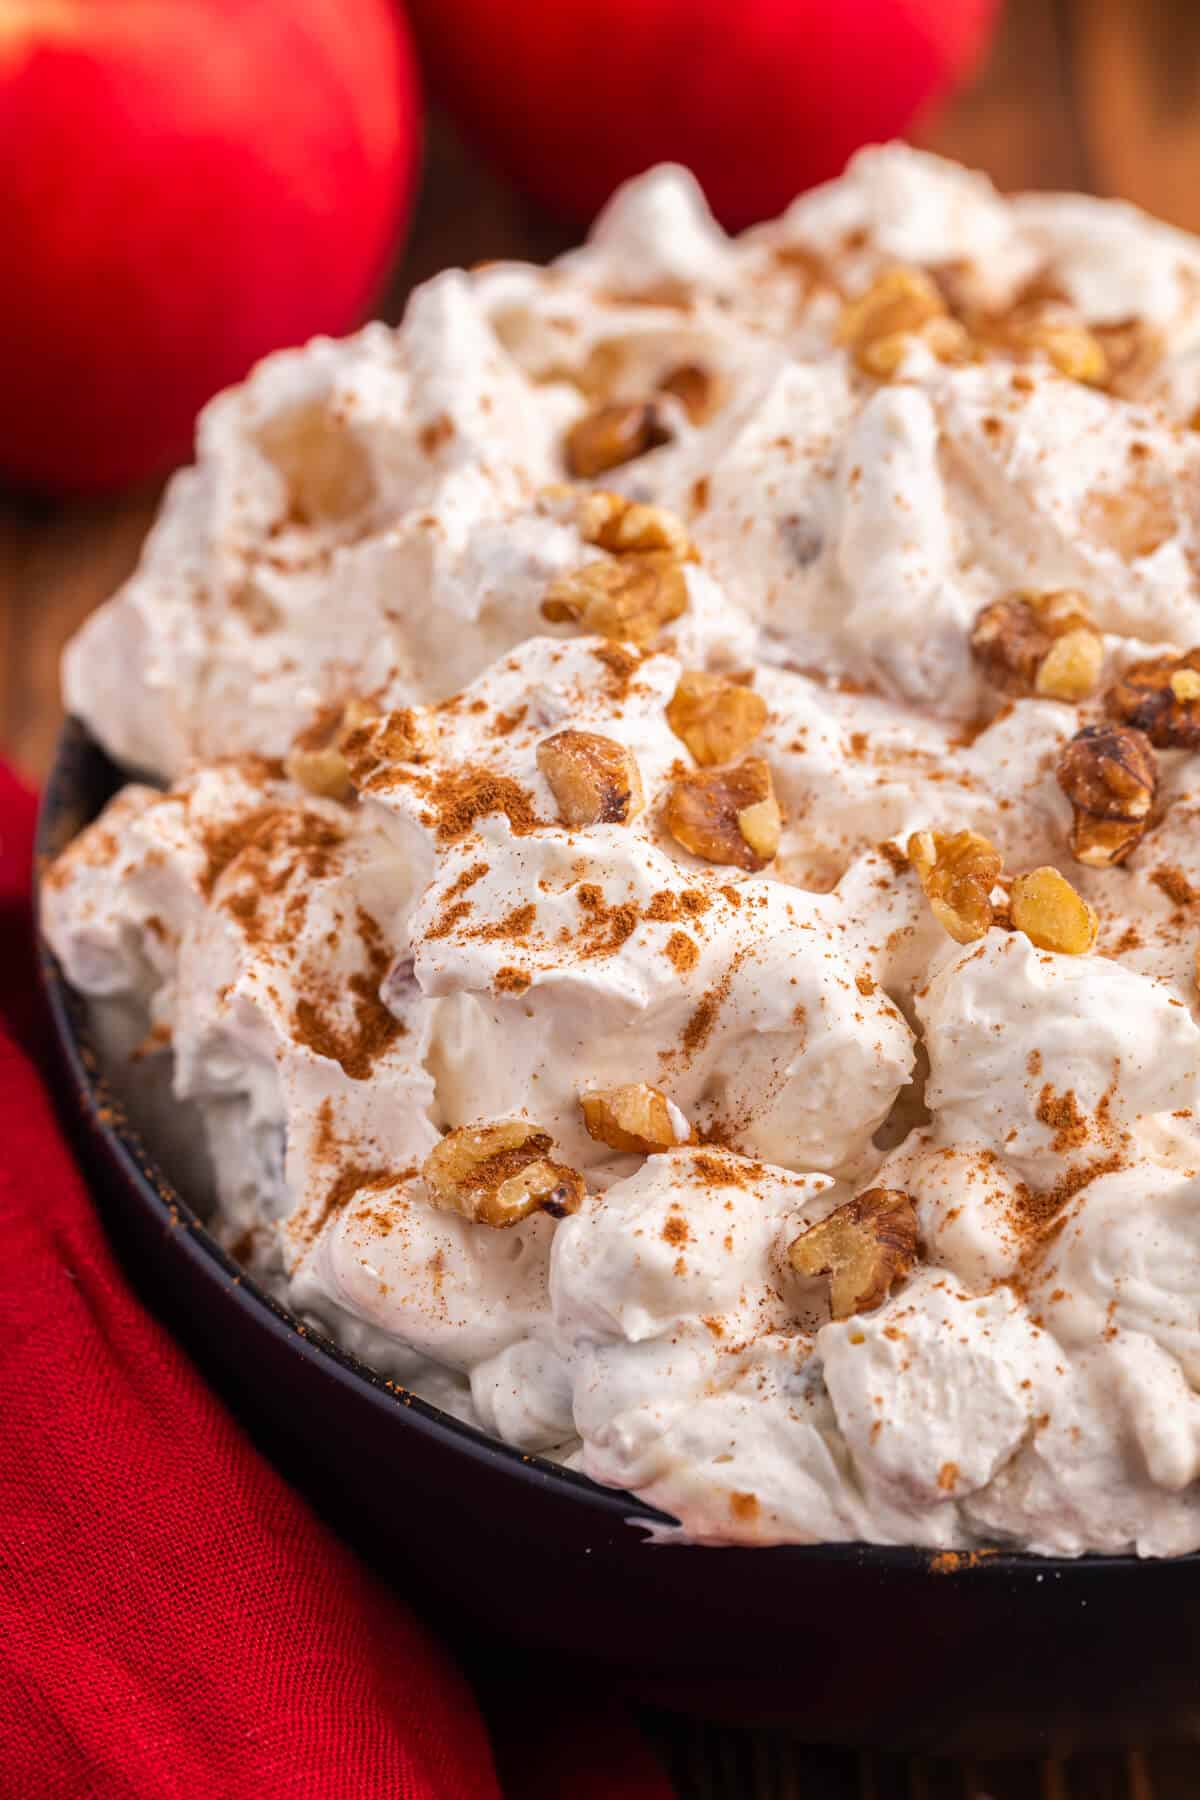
(59,808)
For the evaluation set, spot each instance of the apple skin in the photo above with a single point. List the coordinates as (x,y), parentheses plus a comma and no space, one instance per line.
(759,98)
(186,185)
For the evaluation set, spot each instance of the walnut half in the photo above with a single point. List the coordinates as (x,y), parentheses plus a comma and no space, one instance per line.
(1039,644)
(727,815)
(321,760)
(875,326)
(614,523)
(1045,906)
(594,780)
(612,435)
(957,871)
(1158,697)
(863,1247)
(635,1117)
(716,718)
(1109,773)
(500,1174)
(629,599)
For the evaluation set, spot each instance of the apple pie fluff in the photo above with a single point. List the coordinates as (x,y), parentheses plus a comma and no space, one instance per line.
(662,856)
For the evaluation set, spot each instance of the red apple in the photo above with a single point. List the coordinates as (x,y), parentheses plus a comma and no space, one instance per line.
(184,185)
(761,98)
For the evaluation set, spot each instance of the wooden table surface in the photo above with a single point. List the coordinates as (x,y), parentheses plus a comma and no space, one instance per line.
(1102,95)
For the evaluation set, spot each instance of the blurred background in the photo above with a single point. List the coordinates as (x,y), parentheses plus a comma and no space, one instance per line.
(189,184)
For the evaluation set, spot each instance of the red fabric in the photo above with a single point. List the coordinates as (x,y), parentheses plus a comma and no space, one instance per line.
(175,1622)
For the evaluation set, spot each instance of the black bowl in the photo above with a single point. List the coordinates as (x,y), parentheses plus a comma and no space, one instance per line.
(839,1643)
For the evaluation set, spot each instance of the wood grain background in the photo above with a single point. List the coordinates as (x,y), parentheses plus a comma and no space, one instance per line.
(1102,95)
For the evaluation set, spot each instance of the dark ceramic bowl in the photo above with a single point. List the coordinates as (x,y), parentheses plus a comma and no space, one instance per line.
(841,1643)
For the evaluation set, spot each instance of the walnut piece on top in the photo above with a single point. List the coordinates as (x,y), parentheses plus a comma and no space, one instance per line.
(614,523)
(1109,773)
(727,815)
(1047,644)
(629,600)
(1161,697)
(716,718)
(611,435)
(321,759)
(957,871)
(499,1174)
(900,303)
(594,779)
(1045,906)
(636,1117)
(864,1247)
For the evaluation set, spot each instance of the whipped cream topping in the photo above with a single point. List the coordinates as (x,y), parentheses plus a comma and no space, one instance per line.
(340,975)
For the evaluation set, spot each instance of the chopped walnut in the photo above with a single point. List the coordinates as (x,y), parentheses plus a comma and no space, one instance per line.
(406,735)
(1109,773)
(614,523)
(946,338)
(1039,643)
(958,872)
(898,303)
(1055,330)
(1071,667)
(715,717)
(1133,348)
(630,600)
(319,760)
(499,1174)
(1045,906)
(594,779)
(1151,697)
(698,390)
(612,435)
(325,469)
(727,815)
(636,1117)
(864,1247)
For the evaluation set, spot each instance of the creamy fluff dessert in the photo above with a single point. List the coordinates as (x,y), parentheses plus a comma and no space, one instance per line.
(661,856)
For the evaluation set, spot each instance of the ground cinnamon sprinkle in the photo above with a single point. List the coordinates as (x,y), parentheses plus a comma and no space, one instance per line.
(510,980)
(463,796)
(515,925)
(701,1023)
(1174,884)
(675,1231)
(350,1182)
(1060,1112)
(375,1028)
(682,951)
(445,922)
(744,1506)
(222,843)
(952,1562)
(1037,1215)
(507,722)
(605,928)
(260,836)
(699,1026)
(621,665)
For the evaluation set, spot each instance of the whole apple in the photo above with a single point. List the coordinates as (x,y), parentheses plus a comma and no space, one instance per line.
(185,185)
(760,98)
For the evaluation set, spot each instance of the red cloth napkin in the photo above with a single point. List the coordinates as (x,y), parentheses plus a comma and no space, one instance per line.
(175,1622)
